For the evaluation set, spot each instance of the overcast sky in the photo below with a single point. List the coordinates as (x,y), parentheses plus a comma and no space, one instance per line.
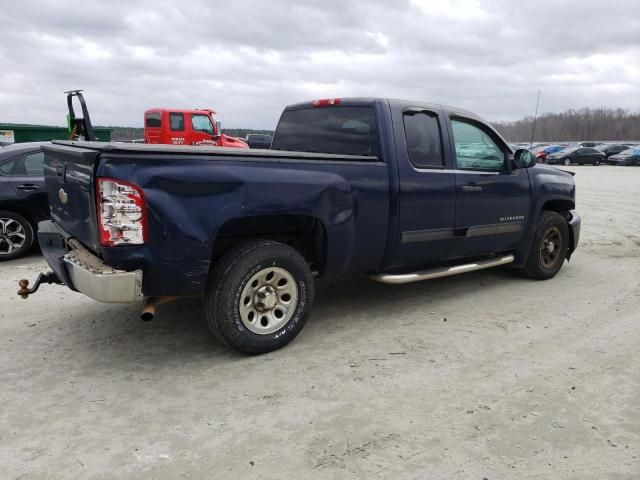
(247,59)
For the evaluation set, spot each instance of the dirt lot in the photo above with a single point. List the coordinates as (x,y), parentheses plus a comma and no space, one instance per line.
(487,375)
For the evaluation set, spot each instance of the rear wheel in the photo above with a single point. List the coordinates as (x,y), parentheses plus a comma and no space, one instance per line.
(567,161)
(549,248)
(16,235)
(259,296)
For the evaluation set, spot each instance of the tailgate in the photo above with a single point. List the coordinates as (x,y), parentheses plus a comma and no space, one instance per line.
(69,182)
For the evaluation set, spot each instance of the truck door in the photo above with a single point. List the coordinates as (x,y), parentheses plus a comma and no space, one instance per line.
(201,129)
(177,133)
(427,187)
(28,183)
(493,200)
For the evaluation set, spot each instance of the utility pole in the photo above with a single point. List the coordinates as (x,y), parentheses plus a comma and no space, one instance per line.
(533,130)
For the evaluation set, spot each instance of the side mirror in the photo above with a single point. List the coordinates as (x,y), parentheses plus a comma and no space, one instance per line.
(524,158)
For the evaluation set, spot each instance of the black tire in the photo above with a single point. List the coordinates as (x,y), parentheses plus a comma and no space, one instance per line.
(15,225)
(597,163)
(567,161)
(231,275)
(539,266)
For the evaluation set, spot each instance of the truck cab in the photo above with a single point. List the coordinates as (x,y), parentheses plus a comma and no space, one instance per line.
(186,127)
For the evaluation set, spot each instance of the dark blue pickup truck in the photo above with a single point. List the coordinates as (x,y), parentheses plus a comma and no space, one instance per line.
(403,191)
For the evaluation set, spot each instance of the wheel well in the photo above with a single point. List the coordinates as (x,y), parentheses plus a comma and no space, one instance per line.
(560,206)
(10,207)
(302,232)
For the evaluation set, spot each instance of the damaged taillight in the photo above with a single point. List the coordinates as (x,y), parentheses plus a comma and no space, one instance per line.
(122,213)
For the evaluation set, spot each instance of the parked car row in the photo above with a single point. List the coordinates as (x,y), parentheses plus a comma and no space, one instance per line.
(586,153)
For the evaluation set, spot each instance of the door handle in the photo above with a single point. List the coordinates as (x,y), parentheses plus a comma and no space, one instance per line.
(27,187)
(471,187)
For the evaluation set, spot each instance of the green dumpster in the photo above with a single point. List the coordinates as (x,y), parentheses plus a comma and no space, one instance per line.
(42,133)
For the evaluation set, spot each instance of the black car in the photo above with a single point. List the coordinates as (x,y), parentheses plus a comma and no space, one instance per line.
(612,149)
(576,156)
(259,140)
(23,199)
(630,157)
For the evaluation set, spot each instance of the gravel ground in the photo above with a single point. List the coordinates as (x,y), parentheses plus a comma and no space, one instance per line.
(485,375)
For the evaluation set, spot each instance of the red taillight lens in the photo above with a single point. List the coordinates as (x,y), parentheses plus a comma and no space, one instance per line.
(122,213)
(326,102)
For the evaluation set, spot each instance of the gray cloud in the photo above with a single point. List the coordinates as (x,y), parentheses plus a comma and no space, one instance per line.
(247,59)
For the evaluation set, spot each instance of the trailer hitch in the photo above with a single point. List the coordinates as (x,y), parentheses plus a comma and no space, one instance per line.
(49,277)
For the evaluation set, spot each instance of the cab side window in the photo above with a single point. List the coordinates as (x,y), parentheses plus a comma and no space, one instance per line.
(201,123)
(475,149)
(176,121)
(424,144)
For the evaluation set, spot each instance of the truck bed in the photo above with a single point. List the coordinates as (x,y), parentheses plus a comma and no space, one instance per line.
(197,196)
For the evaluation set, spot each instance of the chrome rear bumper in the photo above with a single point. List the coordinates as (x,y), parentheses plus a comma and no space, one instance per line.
(101,282)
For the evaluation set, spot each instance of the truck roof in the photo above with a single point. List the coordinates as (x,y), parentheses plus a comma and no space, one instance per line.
(369,101)
(182,110)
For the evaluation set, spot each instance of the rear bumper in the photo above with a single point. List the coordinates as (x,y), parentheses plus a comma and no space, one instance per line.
(574,227)
(83,271)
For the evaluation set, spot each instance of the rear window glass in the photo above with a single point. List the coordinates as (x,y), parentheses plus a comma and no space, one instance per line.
(176,121)
(34,164)
(336,130)
(152,119)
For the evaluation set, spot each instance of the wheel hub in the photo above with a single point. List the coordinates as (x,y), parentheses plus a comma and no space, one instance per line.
(550,248)
(265,298)
(268,300)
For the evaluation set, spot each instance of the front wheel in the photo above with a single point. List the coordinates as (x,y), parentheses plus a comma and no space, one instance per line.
(259,296)
(16,235)
(549,248)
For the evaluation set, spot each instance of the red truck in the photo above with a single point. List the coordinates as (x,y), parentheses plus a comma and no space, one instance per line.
(186,127)
(161,125)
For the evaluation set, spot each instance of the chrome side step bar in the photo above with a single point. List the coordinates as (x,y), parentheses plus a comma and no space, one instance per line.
(440,272)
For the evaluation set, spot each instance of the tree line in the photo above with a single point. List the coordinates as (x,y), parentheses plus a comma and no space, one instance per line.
(574,125)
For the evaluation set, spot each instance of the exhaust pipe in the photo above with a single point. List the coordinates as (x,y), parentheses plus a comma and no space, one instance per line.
(150,306)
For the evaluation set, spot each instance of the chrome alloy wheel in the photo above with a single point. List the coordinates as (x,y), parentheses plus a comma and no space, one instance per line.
(12,236)
(268,300)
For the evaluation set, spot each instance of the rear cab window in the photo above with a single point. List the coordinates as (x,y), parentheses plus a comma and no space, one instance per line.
(340,130)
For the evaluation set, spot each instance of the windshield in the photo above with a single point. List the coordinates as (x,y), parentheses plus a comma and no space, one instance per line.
(630,151)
